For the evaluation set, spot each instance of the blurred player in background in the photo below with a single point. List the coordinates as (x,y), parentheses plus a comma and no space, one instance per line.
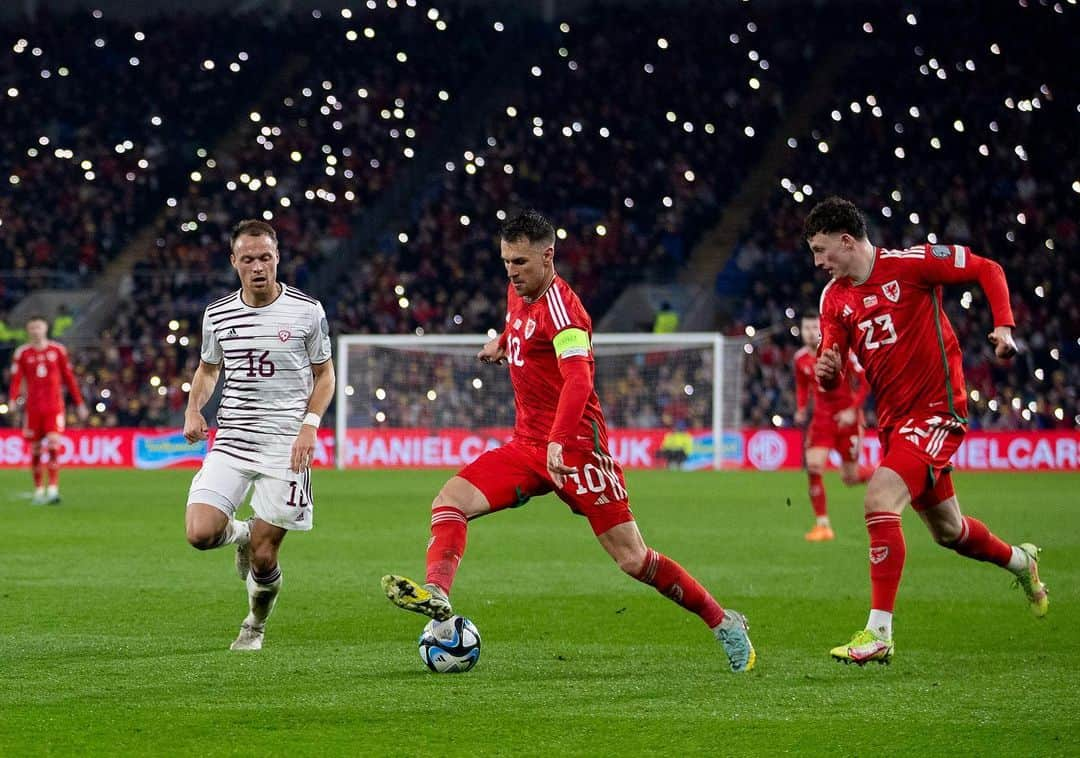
(885,306)
(274,344)
(44,365)
(559,445)
(836,423)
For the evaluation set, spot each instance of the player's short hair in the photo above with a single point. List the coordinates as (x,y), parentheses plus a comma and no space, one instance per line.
(38,317)
(835,215)
(528,224)
(252,227)
(811,313)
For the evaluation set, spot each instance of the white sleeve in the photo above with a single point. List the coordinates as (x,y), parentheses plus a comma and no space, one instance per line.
(318,338)
(211,348)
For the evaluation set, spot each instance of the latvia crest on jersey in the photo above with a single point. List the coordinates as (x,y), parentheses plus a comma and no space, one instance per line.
(530,328)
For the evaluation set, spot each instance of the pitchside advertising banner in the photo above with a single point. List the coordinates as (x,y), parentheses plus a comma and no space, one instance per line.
(753,449)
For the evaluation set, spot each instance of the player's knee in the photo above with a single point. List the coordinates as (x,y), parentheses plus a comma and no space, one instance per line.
(263,558)
(201,538)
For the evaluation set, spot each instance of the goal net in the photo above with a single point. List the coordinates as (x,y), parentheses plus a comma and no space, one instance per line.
(426,401)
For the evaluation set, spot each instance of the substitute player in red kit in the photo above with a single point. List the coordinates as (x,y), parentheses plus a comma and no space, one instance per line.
(559,445)
(44,364)
(836,423)
(885,306)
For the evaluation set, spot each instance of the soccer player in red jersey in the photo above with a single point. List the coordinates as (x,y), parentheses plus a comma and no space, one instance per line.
(885,306)
(44,364)
(836,423)
(559,445)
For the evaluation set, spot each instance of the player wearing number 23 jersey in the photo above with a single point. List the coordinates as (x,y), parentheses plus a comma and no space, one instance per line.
(885,306)
(894,323)
(560,445)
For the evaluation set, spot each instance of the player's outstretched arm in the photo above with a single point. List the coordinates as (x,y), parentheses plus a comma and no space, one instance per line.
(202,387)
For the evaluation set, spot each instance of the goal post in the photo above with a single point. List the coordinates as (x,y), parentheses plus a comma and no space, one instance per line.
(412,401)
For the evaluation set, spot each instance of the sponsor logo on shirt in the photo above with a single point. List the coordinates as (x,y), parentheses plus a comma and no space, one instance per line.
(847,310)
(869,301)
(941,251)
(892,290)
(231,333)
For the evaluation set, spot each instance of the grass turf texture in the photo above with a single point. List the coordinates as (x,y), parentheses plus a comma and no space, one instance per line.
(114,633)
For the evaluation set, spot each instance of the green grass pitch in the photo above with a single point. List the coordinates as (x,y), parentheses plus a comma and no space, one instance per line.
(114,633)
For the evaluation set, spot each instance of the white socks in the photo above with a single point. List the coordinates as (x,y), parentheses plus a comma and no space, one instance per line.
(261,597)
(880,623)
(1018,562)
(238,532)
(823,521)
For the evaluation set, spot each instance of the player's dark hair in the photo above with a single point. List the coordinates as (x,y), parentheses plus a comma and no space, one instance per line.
(252,227)
(39,317)
(835,215)
(811,313)
(528,224)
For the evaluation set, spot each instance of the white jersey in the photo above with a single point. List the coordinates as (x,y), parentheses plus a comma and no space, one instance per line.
(267,354)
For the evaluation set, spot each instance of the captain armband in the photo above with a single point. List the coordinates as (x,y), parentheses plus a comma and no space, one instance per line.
(570,343)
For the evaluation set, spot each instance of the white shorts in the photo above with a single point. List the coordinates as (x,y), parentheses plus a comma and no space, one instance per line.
(282,497)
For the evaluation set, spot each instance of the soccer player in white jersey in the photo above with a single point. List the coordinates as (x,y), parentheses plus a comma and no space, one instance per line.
(274,344)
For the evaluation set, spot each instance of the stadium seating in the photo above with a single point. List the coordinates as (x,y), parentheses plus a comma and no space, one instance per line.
(950,126)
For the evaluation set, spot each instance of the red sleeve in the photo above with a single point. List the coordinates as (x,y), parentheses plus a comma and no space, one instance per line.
(859,386)
(833,334)
(802,388)
(956,264)
(69,378)
(577,386)
(16,381)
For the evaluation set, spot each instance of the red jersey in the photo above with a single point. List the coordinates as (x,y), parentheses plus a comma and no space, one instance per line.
(43,369)
(538,370)
(827,403)
(895,325)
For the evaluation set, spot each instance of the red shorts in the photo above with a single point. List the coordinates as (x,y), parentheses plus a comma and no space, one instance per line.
(842,439)
(37,423)
(510,475)
(919,451)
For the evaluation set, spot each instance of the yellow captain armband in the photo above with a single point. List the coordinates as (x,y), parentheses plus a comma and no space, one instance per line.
(571,342)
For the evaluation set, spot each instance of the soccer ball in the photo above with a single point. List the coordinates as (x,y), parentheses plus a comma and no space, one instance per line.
(451,646)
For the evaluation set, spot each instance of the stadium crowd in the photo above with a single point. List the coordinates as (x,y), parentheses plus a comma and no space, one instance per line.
(632,148)
(968,145)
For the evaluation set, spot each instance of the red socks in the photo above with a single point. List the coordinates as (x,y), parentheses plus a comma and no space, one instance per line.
(671,580)
(54,466)
(887,553)
(36,468)
(448,533)
(976,541)
(817,495)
